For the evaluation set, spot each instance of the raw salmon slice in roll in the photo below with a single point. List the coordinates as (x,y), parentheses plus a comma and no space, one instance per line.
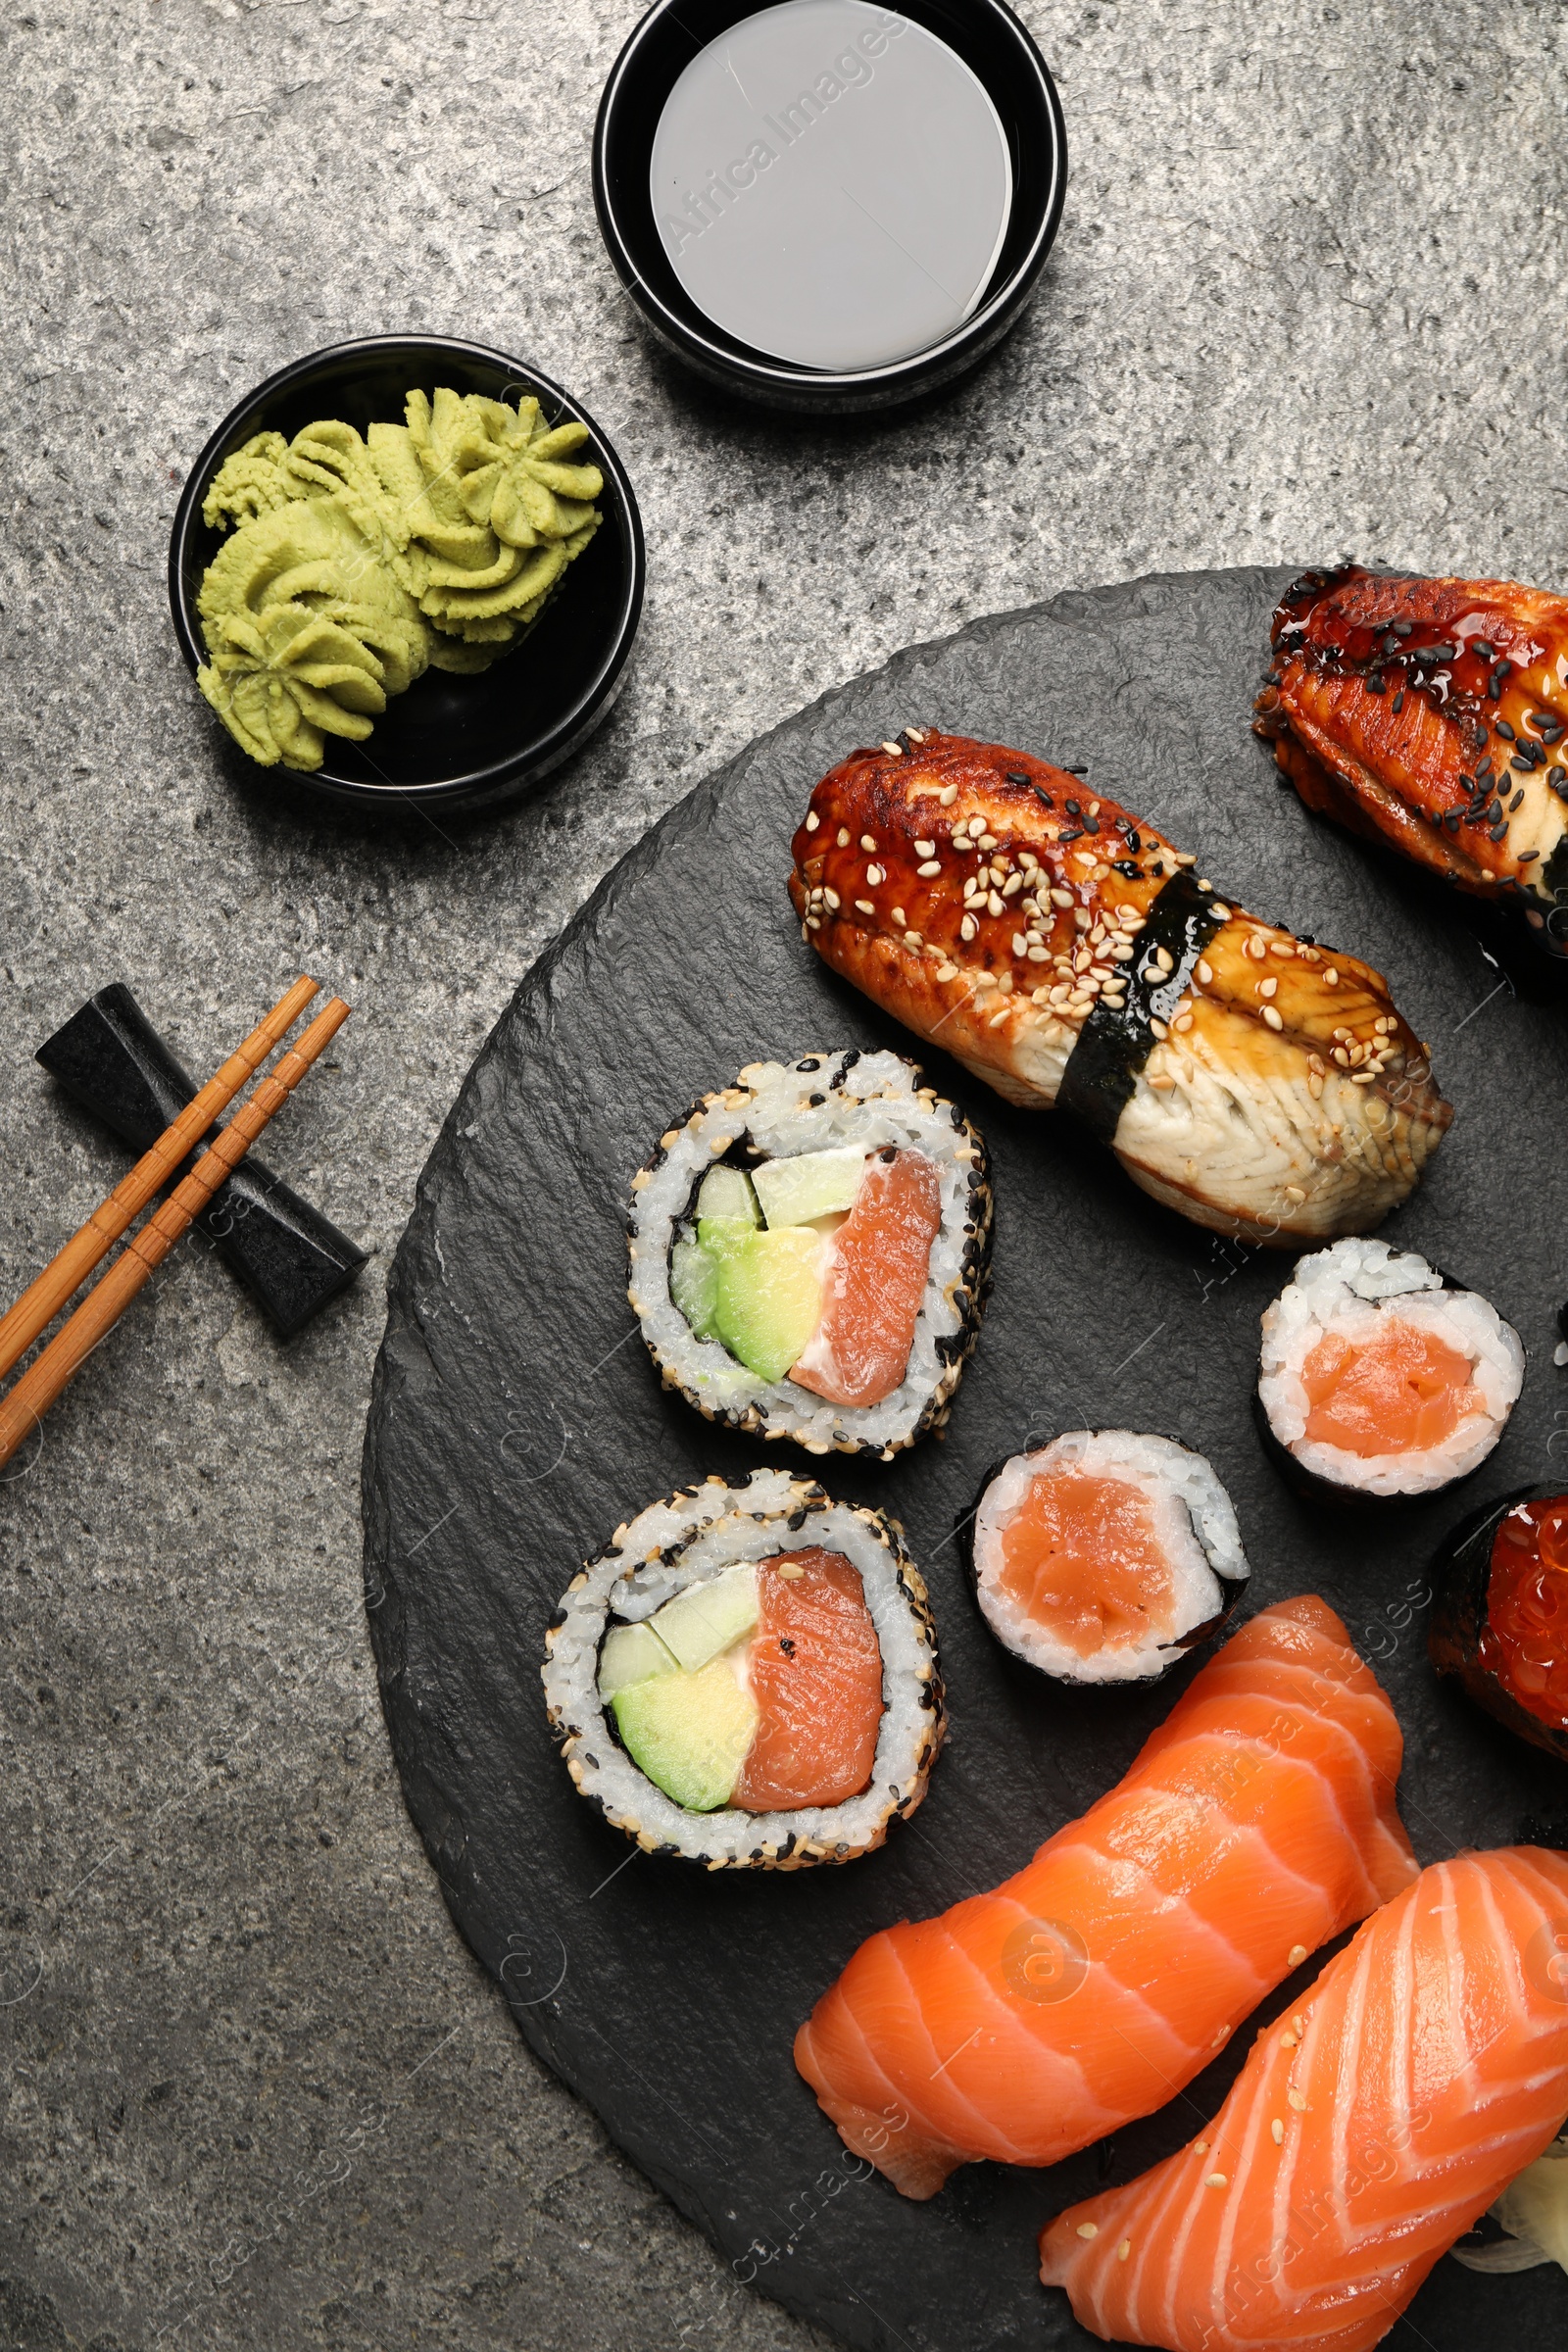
(1066,953)
(1366,2133)
(1258,1822)
(1433,714)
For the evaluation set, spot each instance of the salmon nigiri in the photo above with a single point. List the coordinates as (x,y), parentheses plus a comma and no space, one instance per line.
(1258,1822)
(1426,2067)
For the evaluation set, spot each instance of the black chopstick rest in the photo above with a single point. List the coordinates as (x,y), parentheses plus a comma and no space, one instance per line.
(111,1059)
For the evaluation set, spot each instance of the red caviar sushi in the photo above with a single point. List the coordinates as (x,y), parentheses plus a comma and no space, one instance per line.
(1368,2130)
(1500,1623)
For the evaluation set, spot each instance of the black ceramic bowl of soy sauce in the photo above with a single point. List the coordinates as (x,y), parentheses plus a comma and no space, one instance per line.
(451,744)
(987,40)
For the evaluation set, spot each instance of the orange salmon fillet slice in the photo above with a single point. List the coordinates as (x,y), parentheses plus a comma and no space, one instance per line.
(1258,1823)
(875,1280)
(1350,2156)
(816,1677)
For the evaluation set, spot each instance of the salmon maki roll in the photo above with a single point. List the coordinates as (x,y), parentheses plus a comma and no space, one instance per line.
(1427,2067)
(1432,715)
(1064,951)
(1258,1822)
(1104,1557)
(1379,1379)
(747,1677)
(809,1252)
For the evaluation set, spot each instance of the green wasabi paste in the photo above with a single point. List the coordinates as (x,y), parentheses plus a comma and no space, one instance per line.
(354,565)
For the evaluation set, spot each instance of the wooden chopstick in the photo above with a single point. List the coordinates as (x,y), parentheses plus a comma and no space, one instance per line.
(70,1268)
(44,1379)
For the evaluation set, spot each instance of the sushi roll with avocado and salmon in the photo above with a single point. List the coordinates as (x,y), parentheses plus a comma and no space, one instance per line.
(1500,1623)
(810,1250)
(748,1677)
(1104,1557)
(1379,1380)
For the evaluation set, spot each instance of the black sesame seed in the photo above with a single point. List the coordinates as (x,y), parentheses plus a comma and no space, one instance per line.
(1525,856)
(1525,766)
(1130,866)
(1498,832)
(1504,728)
(1090,824)
(815,1101)
(1484,770)
(1480,647)
(1072,808)
(812,1061)
(1376,682)
(1015,775)
(1070,836)
(1517,798)
(1397,704)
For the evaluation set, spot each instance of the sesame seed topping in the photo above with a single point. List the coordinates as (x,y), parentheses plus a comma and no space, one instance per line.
(893,751)
(873,875)
(1296,1955)
(1298,2100)
(844,837)
(1332,977)
(947,796)
(1205,971)
(968,927)
(1089,2229)
(1215,2180)
(812,820)
(1277,2130)
(1272,1017)
(1201,2146)
(1223,913)
(946,971)
(925,849)
(832,901)
(928,868)
(1159,1029)
(898,915)
(1124,2249)
(1287,2041)
(1268,987)
(867,842)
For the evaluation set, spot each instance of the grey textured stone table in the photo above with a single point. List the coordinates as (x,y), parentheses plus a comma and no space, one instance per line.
(1307,298)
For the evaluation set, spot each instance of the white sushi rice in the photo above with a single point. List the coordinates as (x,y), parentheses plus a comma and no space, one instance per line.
(688,1538)
(1347,1290)
(784,1108)
(1199,1540)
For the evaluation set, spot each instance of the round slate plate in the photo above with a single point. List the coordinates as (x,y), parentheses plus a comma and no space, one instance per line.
(515,1420)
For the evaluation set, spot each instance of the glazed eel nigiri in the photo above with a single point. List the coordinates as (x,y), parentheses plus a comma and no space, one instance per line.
(1258,1821)
(1065,953)
(1366,2133)
(1433,714)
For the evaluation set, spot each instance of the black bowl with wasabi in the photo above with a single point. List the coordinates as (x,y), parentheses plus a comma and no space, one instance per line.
(406,570)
